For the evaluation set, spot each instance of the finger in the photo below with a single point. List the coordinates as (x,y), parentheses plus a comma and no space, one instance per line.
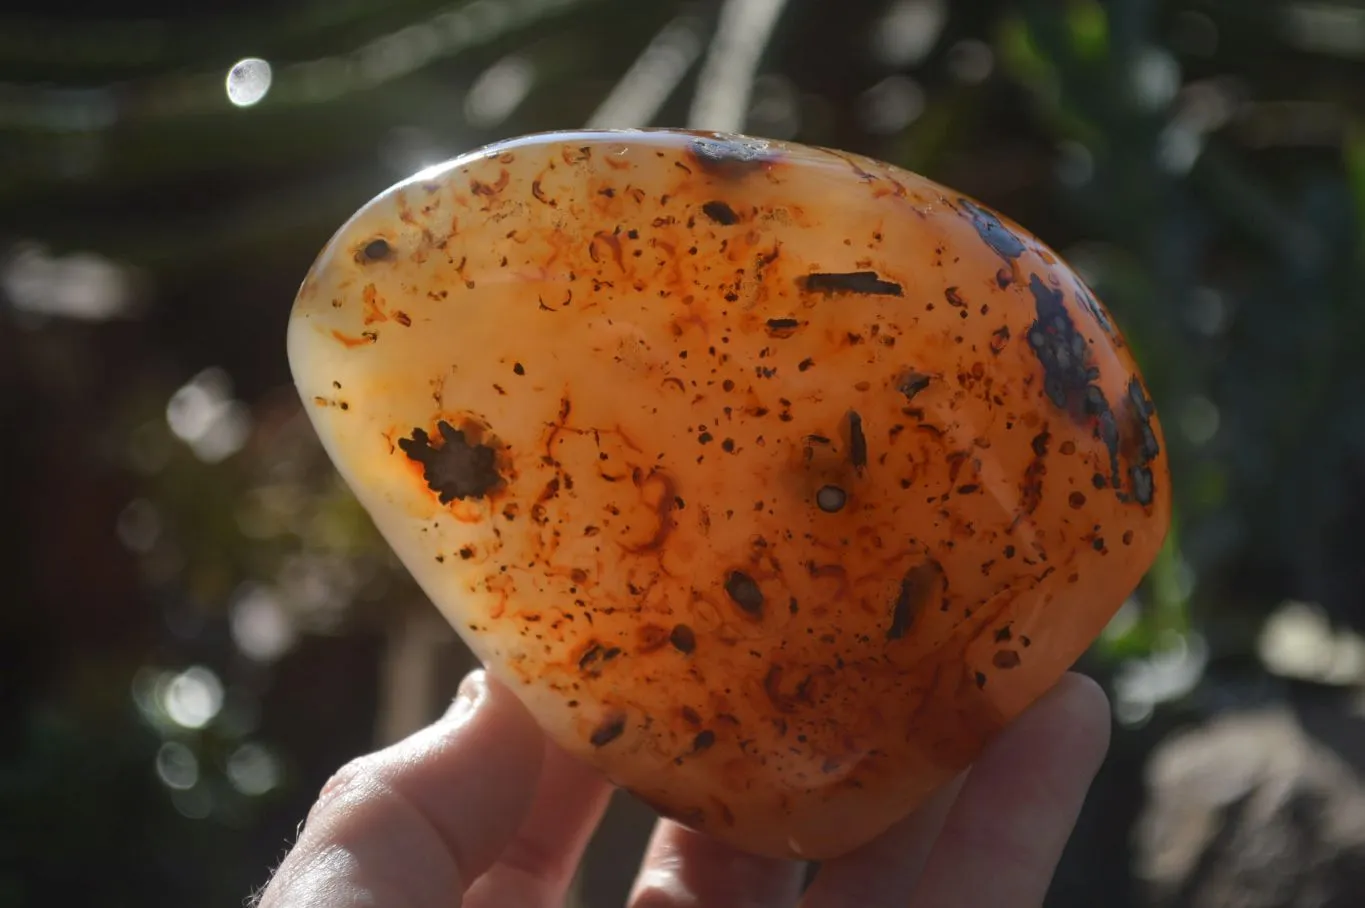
(685,869)
(1001,841)
(411,825)
(538,865)
(884,871)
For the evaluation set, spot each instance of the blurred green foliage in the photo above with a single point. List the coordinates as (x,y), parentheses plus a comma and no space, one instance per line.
(1201,162)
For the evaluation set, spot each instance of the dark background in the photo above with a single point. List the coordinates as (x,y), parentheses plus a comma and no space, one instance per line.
(197,623)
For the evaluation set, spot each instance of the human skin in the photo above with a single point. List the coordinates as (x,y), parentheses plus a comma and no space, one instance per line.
(481,809)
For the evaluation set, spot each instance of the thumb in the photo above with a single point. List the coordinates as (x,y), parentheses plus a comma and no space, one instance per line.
(413,825)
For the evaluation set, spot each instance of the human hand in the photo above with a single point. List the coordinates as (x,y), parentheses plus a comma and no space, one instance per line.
(481,810)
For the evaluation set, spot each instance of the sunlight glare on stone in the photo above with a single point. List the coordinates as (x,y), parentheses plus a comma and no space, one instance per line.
(248,81)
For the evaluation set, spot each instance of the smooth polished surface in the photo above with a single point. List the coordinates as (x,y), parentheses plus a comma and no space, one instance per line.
(774,480)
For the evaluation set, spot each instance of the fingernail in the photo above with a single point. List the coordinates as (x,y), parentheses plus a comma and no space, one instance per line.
(472,689)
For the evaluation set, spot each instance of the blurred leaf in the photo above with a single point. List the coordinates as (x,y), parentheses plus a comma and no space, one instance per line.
(1089,28)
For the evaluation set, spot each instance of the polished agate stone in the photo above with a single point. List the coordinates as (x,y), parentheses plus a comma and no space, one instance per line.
(774,480)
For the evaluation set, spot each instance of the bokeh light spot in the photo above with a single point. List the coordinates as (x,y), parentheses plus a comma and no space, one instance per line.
(203,414)
(499,90)
(253,770)
(260,626)
(177,766)
(193,697)
(248,81)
